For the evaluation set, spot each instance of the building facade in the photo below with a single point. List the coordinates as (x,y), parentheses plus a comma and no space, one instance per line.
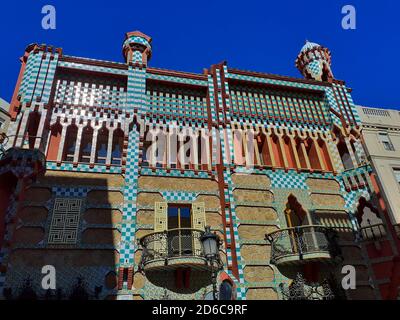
(381,140)
(112,171)
(4,116)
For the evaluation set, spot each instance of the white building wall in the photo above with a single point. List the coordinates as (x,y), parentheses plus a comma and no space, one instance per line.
(384,161)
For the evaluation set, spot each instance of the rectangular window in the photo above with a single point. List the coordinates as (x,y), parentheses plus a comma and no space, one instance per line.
(397,174)
(385,140)
(169,216)
(2,121)
(180,240)
(179,217)
(65,221)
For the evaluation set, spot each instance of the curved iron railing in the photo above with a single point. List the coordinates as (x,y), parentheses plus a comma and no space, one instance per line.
(302,240)
(24,156)
(373,231)
(172,243)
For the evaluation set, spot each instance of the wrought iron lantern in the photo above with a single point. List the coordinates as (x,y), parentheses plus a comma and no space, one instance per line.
(210,242)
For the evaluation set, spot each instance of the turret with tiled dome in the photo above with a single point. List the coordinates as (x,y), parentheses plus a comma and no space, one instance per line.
(137,48)
(314,62)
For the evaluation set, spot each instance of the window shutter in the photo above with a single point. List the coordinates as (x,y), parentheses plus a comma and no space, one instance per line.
(160,216)
(198,215)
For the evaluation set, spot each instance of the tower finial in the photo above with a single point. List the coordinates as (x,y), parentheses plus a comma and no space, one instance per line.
(314,62)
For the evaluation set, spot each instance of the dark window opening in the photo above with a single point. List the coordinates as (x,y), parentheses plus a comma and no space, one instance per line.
(225,291)
(102,146)
(70,143)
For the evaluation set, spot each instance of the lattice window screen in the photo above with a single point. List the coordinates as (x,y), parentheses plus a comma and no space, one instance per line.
(65,221)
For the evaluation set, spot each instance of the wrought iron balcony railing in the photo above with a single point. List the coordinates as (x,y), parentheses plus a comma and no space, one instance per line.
(373,232)
(23,162)
(22,154)
(172,246)
(294,245)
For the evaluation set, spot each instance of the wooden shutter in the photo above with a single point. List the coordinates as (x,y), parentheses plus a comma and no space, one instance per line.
(160,216)
(198,222)
(159,247)
(198,216)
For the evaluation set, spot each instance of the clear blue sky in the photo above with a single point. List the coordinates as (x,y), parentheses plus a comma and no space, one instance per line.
(191,35)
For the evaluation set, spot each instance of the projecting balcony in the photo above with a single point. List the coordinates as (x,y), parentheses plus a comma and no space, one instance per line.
(174,249)
(299,245)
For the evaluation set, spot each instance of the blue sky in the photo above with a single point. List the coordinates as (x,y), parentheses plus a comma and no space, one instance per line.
(190,35)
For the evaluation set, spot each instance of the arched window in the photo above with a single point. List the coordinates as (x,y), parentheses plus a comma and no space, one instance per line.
(146,149)
(32,128)
(117,146)
(325,155)
(86,144)
(239,154)
(371,225)
(295,214)
(179,151)
(186,150)
(54,141)
(70,143)
(342,149)
(276,149)
(289,153)
(353,147)
(262,144)
(313,155)
(102,146)
(225,291)
(300,153)
(345,155)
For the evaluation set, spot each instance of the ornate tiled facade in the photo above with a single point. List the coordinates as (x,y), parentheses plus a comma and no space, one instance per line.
(83,190)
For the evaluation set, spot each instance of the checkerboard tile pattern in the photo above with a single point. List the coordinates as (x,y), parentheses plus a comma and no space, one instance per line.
(136,91)
(51,165)
(336,159)
(233,75)
(231,219)
(128,247)
(135,39)
(179,196)
(80,66)
(185,104)
(72,192)
(282,180)
(38,77)
(189,81)
(315,68)
(332,103)
(174,173)
(351,199)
